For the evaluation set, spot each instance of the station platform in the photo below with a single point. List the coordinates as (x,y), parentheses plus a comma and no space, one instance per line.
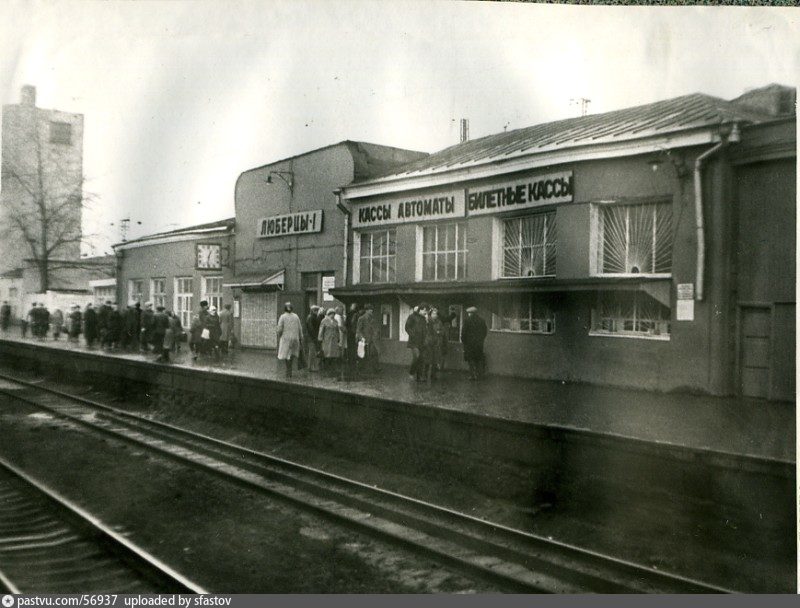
(749,428)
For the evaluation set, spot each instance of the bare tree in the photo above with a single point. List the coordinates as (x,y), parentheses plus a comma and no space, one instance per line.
(43,203)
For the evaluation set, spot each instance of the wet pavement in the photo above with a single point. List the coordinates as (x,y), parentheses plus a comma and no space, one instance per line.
(752,427)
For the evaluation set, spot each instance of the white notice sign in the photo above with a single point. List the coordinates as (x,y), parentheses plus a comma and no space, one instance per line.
(328,283)
(686,291)
(685,310)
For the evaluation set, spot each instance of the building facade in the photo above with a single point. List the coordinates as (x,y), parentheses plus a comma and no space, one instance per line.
(177,269)
(42,162)
(637,248)
(289,233)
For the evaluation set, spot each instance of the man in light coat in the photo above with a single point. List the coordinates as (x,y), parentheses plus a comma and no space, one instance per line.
(290,337)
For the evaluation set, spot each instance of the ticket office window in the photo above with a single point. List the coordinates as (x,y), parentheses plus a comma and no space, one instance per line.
(135,291)
(634,239)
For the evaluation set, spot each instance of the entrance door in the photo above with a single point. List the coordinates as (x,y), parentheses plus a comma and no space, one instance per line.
(754,361)
(259,311)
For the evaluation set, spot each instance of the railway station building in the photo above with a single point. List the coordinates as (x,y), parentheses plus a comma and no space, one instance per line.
(289,234)
(651,247)
(177,269)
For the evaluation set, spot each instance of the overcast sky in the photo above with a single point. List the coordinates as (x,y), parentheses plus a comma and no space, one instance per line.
(180,97)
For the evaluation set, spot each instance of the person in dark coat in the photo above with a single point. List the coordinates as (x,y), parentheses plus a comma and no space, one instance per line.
(75,322)
(32,321)
(158,331)
(313,344)
(146,332)
(102,322)
(212,323)
(473,333)
(415,328)
(44,321)
(5,316)
(90,326)
(113,327)
(57,321)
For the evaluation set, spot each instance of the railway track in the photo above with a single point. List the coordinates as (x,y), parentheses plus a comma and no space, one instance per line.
(49,545)
(512,559)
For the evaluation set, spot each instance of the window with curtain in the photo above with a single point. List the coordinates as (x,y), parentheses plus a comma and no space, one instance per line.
(526,313)
(630,313)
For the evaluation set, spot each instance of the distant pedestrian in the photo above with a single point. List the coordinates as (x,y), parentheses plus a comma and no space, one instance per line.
(74,324)
(226,329)
(146,330)
(174,334)
(31,321)
(329,337)
(57,323)
(195,333)
(113,327)
(102,322)
(473,334)
(313,343)
(367,331)
(415,328)
(90,325)
(214,332)
(290,337)
(5,316)
(158,331)
(43,320)
(432,349)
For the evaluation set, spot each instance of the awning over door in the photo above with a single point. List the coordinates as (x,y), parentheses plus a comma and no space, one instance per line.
(258,282)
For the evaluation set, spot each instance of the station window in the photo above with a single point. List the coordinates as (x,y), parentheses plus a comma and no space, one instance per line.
(529,246)
(212,292)
(135,291)
(184,292)
(386,321)
(377,256)
(60,133)
(444,251)
(158,289)
(635,239)
(626,313)
(525,313)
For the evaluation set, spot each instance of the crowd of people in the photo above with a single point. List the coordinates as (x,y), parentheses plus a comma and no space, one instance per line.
(330,341)
(342,344)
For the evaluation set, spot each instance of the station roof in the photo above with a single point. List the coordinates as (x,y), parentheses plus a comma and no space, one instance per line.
(678,115)
(198,229)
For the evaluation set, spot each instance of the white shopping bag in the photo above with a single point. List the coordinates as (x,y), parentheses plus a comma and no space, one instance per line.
(361,351)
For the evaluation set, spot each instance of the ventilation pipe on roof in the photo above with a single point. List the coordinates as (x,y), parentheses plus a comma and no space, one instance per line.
(725,138)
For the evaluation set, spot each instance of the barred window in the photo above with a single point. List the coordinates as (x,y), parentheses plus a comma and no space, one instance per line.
(158,289)
(377,258)
(630,313)
(444,252)
(529,246)
(524,313)
(636,239)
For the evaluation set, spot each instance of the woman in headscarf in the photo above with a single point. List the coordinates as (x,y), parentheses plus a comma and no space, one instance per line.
(329,337)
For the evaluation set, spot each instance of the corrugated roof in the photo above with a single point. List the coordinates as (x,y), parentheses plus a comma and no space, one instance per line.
(695,111)
(226,224)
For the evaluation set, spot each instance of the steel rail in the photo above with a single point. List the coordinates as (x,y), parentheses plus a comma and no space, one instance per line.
(560,561)
(146,564)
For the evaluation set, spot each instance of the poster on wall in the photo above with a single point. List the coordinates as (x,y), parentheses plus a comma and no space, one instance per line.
(328,283)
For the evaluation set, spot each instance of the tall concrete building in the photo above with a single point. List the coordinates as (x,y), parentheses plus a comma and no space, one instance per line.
(41,191)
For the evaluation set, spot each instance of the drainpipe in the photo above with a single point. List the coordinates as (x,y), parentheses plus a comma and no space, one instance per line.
(346,212)
(730,137)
